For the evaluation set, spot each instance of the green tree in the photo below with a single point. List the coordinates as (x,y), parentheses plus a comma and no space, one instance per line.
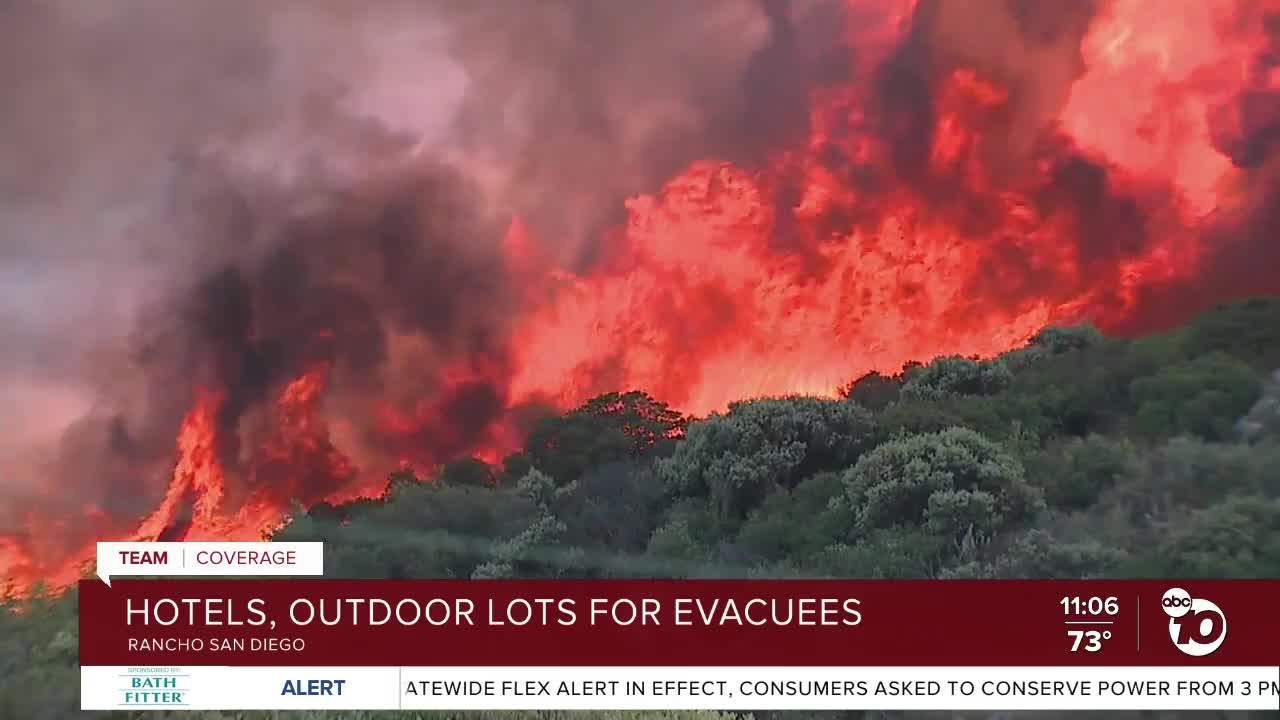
(1037,554)
(608,428)
(1076,472)
(614,507)
(532,552)
(1051,342)
(956,375)
(1059,340)
(873,391)
(1203,397)
(895,554)
(39,657)
(739,458)
(686,537)
(915,416)
(1237,538)
(1247,330)
(1188,473)
(423,530)
(1085,391)
(953,483)
(798,523)
(468,471)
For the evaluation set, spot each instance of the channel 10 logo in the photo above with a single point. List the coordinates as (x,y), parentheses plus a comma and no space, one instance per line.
(1198,627)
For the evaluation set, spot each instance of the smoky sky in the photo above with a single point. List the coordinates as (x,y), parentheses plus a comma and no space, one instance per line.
(196,191)
(172,173)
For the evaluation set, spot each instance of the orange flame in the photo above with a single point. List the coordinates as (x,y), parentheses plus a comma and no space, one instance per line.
(833,258)
(196,503)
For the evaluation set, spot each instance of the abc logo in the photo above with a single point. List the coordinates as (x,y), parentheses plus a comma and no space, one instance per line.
(1197,626)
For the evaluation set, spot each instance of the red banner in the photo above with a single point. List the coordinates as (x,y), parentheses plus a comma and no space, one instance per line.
(679,623)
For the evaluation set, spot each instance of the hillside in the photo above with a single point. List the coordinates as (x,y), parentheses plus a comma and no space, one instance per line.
(1076,456)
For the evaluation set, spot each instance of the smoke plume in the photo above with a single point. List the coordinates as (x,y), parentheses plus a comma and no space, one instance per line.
(265,252)
(203,193)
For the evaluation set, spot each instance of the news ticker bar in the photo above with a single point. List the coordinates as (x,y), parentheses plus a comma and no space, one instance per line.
(677,688)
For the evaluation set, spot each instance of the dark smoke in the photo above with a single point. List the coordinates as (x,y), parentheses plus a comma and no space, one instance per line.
(612,98)
(1242,260)
(220,193)
(227,193)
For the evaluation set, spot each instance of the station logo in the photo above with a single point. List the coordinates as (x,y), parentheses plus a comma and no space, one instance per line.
(1197,626)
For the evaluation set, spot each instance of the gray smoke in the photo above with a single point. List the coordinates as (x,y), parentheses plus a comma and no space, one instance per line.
(148,145)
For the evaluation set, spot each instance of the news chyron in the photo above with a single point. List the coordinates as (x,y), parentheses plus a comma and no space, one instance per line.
(278,641)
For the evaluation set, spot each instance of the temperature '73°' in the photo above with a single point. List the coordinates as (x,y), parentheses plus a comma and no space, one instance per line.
(1088,640)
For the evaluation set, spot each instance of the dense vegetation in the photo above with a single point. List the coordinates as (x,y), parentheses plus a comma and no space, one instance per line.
(1076,456)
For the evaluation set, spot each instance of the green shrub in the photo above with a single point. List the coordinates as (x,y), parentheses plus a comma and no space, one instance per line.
(1247,330)
(739,458)
(873,391)
(1237,538)
(800,522)
(1037,554)
(1203,397)
(1059,340)
(956,375)
(1191,473)
(608,428)
(903,553)
(953,482)
(1077,472)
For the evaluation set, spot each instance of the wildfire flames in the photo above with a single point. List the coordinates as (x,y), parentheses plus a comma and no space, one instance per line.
(947,198)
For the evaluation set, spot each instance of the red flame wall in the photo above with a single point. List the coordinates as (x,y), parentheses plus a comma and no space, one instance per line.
(975,174)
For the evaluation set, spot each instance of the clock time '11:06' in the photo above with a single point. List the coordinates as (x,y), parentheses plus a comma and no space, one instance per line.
(1090,606)
(1089,640)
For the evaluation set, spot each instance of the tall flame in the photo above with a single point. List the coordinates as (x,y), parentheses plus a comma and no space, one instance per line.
(900,228)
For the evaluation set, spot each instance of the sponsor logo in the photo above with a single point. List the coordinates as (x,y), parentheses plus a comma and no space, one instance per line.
(155,687)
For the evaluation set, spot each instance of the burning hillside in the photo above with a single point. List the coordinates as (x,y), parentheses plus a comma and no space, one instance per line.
(786,196)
